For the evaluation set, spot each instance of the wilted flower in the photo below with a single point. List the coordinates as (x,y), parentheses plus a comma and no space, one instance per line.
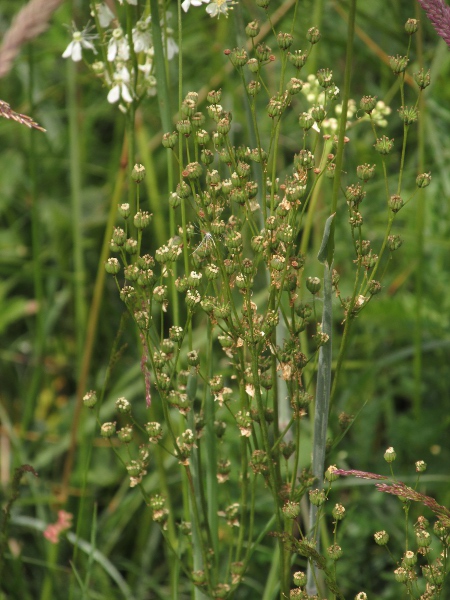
(142,39)
(105,15)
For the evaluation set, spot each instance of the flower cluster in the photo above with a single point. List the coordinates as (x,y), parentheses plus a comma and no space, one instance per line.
(54,530)
(127,65)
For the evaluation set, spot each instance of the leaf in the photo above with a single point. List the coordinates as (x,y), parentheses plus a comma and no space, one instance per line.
(323,252)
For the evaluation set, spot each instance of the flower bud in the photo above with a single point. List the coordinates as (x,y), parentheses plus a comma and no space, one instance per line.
(368,103)
(253,88)
(131,246)
(124,210)
(325,78)
(284,40)
(294,86)
(134,468)
(423,538)
(206,156)
(313,284)
(297,59)
(252,29)
(408,114)
(291,510)
(374,287)
(409,559)
(411,26)
(318,113)
(224,126)
(365,172)
(390,455)
(123,406)
(138,173)
(184,127)
(253,65)
(338,512)
(276,107)
(381,538)
(238,57)
(300,578)
(422,79)
(193,358)
(423,180)
(395,203)
(401,575)
(394,242)
(334,552)
(154,431)
(142,219)
(125,434)
(198,577)
(90,399)
(193,299)
(222,311)
(304,159)
(398,64)
(192,171)
(317,497)
(108,429)
(313,35)
(169,140)
(421,466)
(263,52)
(119,237)
(112,266)
(384,145)
(306,121)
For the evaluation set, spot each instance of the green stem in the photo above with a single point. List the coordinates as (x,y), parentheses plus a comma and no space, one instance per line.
(79,276)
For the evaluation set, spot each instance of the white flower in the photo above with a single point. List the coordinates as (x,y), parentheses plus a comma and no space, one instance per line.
(171,47)
(80,40)
(121,79)
(118,46)
(132,2)
(142,39)
(105,15)
(219,7)
(149,79)
(187,3)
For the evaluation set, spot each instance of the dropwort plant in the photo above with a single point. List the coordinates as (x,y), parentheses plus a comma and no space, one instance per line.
(237,421)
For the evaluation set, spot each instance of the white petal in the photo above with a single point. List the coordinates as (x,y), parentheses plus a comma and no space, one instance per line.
(185,5)
(212,10)
(68,51)
(76,52)
(88,45)
(112,50)
(172,48)
(114,94)
(126,94)
(105,15)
